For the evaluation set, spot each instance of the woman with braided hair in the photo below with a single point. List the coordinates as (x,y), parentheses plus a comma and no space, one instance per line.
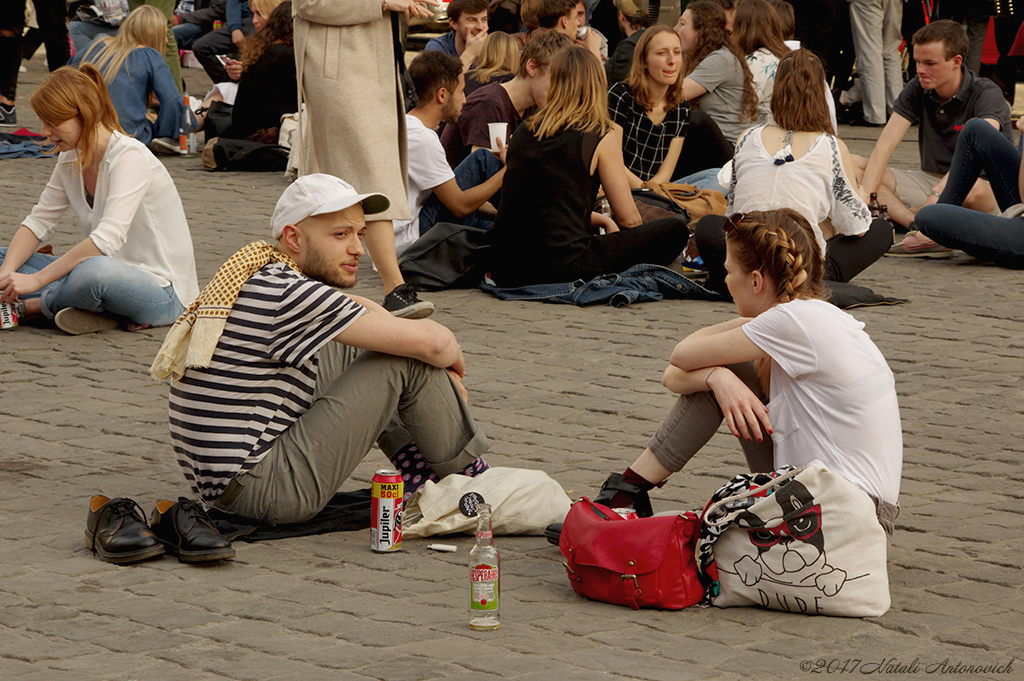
(832,395)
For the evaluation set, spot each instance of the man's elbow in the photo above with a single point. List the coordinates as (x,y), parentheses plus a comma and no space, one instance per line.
(440,348)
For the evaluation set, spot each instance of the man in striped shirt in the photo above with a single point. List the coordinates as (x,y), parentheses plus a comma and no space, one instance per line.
(279,419)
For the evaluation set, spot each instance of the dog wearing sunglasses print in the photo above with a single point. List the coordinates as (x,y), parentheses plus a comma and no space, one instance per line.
(792,551)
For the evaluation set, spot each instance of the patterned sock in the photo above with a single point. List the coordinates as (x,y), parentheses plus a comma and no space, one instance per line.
(414,469)
(475,468)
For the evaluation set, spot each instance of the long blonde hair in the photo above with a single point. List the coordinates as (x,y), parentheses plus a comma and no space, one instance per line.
(499,56)
(77,93)
(146,26)
(577,96)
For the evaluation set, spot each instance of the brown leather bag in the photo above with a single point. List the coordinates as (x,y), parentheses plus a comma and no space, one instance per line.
(697,202)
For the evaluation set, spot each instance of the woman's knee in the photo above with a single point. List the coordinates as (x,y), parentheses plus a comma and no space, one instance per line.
(94,273)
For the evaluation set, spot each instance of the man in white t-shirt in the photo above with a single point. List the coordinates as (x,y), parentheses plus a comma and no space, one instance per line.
(436,192)
(271,416)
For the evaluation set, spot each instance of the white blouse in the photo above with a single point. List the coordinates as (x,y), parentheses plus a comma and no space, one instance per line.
(136,216)
(815,185)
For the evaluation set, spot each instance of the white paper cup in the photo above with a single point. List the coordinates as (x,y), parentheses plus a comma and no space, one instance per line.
(496,130)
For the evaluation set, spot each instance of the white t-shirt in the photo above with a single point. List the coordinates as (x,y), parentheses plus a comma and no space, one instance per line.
(833,397)
(428,168)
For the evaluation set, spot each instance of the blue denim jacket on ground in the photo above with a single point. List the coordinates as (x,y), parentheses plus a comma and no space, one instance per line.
(638,284)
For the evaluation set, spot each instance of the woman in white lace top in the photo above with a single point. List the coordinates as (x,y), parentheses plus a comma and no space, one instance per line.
(799,163)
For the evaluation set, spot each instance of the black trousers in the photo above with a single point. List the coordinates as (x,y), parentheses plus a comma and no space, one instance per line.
(846,257)
(53,28)
(658,242)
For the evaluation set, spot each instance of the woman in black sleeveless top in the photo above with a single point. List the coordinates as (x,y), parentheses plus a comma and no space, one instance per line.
(545,231)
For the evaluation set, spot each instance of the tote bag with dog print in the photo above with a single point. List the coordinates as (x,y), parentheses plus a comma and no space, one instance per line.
(806,540)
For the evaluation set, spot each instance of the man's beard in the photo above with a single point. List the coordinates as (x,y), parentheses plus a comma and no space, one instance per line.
(448,113)
(318,267)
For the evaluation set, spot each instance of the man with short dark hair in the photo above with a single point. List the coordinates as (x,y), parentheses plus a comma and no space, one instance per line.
(435,192)
(267,416)
(468,21)
(504,102)
(633,21)
(940,99)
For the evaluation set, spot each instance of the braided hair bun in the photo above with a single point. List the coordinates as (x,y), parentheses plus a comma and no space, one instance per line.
(781,244)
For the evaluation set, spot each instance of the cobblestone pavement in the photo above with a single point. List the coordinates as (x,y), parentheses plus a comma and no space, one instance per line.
(572,391)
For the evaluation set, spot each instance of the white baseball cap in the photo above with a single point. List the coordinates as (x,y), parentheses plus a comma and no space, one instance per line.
(318,194)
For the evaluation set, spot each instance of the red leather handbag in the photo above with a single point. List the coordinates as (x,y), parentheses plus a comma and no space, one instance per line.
(642,563)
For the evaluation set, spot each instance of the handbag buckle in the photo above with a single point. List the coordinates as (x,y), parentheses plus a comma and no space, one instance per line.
(635,584)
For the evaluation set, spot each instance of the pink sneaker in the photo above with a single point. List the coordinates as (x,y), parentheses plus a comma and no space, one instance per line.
(917,245)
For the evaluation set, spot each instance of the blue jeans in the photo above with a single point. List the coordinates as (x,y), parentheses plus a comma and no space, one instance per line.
(980,147)
(82,33)
(186,34)
(474,170)
(987,237)
(103,284)
(704,179)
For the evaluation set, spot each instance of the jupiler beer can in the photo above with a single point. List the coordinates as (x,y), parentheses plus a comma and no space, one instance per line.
(8,316)
(386,511)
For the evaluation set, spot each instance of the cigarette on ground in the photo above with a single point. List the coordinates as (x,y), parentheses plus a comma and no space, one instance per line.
(446,548)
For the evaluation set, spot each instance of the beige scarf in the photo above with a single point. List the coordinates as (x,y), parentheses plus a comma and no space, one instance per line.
(193,338)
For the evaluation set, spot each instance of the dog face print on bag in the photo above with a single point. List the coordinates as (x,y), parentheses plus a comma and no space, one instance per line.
(788,550)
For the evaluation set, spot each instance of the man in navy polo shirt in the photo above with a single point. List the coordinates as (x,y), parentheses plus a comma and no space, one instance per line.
(468,19)
(940,99)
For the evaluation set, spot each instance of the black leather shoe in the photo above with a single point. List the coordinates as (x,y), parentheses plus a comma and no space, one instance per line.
(116,530)
(617,483)
(185,530)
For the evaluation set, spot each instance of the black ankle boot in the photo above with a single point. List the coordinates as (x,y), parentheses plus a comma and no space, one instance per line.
(616,484)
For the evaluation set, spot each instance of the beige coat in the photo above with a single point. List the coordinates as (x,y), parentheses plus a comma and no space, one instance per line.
(354,125)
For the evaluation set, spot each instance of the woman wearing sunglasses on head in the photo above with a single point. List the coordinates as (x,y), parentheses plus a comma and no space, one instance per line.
(832,395)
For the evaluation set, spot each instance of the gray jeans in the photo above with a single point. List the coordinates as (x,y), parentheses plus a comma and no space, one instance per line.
(353,406)
(695,418)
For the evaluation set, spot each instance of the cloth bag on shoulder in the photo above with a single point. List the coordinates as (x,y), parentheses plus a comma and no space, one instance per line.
(640,563)
(522,502)
(805,540)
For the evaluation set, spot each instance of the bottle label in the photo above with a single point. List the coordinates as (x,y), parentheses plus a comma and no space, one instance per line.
(484,534)
(483,587)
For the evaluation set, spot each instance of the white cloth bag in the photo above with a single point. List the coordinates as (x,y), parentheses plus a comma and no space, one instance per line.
(812,546)
(522,502)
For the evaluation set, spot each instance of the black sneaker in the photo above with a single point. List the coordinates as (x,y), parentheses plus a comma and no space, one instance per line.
(403,302)
(8,116)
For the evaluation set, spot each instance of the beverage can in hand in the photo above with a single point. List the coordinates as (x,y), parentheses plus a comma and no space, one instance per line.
(8,316)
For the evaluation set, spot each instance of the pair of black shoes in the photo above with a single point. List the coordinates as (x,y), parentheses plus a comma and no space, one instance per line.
(615,484)
(117,532)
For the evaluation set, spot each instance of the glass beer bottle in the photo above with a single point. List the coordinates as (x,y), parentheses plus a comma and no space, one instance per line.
(484,575)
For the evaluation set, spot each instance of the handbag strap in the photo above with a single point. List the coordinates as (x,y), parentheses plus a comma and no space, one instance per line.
(727,518)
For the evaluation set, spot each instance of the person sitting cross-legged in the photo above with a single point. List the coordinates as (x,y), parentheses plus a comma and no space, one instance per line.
(941,98)
(436,194)
(267,418)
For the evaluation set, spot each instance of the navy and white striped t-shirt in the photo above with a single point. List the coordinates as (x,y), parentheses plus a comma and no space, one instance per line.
(224,418)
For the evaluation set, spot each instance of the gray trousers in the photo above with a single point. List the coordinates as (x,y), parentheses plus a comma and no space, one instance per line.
(695,418)
(876,28)
(353,406)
